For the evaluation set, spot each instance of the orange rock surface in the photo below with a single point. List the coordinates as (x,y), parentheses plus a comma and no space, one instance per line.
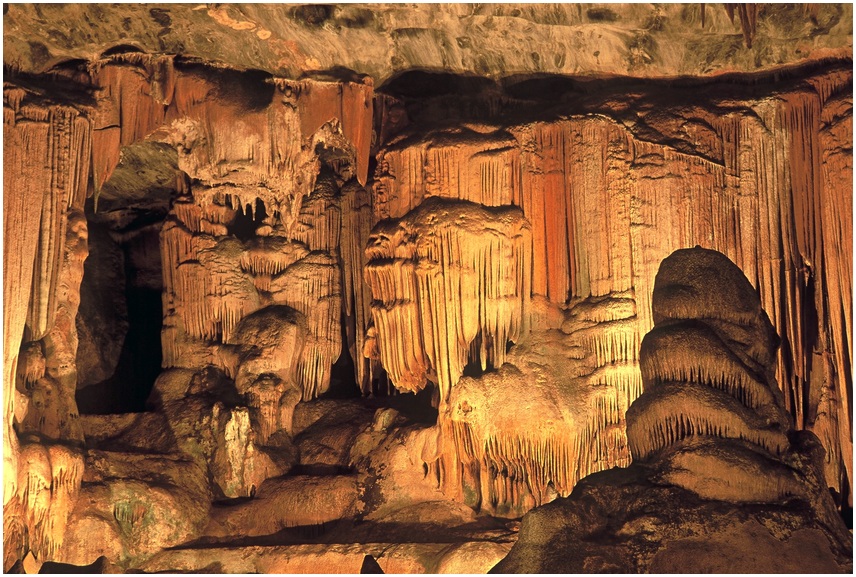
(422,302)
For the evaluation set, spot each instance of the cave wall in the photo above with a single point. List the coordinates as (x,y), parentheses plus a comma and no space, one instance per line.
(468,233)
(48,150)
(611,193)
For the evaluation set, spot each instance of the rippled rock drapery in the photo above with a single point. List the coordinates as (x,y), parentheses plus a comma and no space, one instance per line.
(47,148)
(450,281)
(720,480)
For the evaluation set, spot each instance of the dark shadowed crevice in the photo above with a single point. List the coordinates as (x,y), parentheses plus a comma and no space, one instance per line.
(120,318)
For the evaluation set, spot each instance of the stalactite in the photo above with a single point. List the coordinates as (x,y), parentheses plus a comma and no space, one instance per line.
(319,225)
(356,296)
(312,287)
(836,277)
(268,257)
(579,389)
(447,277)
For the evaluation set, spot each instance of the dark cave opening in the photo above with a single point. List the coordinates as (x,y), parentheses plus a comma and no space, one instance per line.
(120,318)
(127,390)
(247,220)
(343,384)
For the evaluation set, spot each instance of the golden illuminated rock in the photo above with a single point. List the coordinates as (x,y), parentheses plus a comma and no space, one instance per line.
(712,447)
(375,281)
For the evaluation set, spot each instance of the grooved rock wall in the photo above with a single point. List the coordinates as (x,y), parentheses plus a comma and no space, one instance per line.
(47,147)
(612,192)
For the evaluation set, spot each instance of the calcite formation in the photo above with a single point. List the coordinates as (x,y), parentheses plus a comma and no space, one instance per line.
(712,445)
(375,280)
(43,264)
(609,194)
(580,383)
(449,281)
(706,368)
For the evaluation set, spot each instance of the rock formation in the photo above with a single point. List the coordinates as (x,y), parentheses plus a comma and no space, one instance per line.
(488,40)
(718,471)
(264,257)
(449,282)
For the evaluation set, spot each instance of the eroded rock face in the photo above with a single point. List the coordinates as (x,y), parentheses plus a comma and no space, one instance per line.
(712,447)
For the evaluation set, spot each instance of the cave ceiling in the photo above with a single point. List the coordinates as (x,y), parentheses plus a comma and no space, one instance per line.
(491,40)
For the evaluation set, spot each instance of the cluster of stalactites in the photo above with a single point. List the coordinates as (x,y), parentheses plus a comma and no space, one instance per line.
(580,381)
(448,279)
(767,182)
(46,173)
(56,139)
(213,279)
(233,134)
(49,479)
(510,473)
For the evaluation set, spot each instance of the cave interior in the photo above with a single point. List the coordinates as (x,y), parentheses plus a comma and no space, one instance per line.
(431,312)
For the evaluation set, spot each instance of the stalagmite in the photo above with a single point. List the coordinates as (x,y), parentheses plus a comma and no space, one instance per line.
(713,474)
(689,396)
(269,344)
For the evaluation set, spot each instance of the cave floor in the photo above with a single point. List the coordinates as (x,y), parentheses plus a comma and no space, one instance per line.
(323,516)
(341,546)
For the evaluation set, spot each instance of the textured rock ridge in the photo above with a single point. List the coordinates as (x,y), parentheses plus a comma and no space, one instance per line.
(640,40)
